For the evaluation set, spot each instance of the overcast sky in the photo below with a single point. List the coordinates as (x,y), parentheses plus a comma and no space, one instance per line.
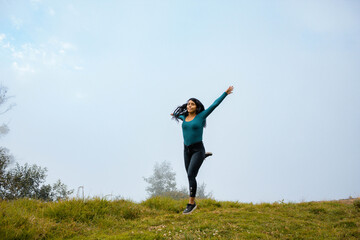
(94,84)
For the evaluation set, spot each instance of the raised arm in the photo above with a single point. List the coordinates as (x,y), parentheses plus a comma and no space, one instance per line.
(209,110)
(230,90)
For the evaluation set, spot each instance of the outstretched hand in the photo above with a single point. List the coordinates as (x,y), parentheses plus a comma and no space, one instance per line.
(229,90)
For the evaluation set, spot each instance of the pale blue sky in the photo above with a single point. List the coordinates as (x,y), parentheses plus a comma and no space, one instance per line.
(95,83)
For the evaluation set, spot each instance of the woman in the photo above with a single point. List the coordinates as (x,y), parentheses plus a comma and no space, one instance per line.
(193,115)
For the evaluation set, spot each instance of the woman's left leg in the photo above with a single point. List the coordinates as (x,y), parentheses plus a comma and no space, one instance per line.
(196,161)
(194,156)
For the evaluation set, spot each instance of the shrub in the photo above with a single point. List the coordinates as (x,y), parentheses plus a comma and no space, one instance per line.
(357,204)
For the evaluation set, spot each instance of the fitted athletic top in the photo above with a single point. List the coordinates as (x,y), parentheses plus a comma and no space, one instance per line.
(193,130)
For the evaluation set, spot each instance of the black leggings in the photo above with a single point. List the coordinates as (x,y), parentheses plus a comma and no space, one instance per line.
(194,156)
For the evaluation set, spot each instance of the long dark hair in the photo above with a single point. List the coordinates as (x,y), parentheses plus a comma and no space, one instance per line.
(182,110)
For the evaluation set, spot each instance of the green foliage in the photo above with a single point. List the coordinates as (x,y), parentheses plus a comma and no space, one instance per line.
(59,191)
(24,181)
(5,159)
(28,182)
(357,204)
(162,218)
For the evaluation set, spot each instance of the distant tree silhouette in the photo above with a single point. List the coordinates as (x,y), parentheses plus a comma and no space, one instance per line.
(162,183)
(162,180)
(4,129)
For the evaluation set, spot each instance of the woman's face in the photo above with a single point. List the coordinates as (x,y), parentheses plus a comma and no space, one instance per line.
(191,106)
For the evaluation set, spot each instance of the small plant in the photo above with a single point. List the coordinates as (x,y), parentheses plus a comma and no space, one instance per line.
(357,204)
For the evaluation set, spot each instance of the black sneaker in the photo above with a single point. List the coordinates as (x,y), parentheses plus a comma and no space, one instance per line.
(208,154)
(189,208)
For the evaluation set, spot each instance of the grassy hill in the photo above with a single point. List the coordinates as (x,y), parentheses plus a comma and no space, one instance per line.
(161,218)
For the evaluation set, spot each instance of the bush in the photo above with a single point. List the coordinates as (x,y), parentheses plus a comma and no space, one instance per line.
(28,182)
(357,204)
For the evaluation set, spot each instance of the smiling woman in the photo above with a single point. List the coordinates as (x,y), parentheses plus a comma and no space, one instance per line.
(193,115)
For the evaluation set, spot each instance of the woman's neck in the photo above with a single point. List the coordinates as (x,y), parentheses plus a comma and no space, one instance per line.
(192,114)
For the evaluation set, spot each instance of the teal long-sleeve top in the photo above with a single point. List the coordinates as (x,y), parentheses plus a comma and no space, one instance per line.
(193,130)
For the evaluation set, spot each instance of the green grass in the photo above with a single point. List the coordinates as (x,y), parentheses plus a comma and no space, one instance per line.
(162,218)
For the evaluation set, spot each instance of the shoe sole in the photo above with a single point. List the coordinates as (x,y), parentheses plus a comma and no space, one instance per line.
(191,210)
(208,155)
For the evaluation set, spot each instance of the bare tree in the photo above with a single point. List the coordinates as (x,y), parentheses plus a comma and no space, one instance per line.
(4,129)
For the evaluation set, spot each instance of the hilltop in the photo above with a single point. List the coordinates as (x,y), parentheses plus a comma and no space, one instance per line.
(161,218)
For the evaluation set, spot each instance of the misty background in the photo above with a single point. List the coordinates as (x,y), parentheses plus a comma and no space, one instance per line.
(95,82)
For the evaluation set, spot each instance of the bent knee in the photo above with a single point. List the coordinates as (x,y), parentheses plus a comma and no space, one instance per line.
(191,176)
